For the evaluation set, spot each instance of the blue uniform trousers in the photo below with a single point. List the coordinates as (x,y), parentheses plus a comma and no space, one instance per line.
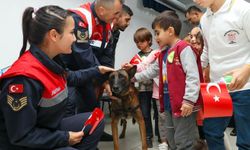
(75,123)
(214,127)
(81,100)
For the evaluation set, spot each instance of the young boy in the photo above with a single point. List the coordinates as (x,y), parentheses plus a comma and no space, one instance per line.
(143,41)
(226,30)
(179,74)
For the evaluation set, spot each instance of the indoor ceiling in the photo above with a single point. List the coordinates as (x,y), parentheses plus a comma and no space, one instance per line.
(161,5)
(180,5)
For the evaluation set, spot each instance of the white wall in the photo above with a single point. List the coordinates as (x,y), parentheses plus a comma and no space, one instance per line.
(10,26)
(142,17)
(11,34)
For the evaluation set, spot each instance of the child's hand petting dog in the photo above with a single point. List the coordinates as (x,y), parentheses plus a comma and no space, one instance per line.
(127,66)
(186,109)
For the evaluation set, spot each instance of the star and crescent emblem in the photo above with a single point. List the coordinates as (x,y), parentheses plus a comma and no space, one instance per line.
(209,85)
(13,88)
(217,102)
(16,88)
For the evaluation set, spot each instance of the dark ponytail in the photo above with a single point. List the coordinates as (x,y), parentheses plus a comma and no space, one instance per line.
(36,24)
(27,17)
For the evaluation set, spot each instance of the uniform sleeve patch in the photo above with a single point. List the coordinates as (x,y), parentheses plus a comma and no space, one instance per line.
(16,88)
(82,36)
(81,24)
(17,104)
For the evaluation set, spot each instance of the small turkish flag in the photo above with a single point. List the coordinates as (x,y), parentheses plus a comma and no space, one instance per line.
(216,100)
(16,88)
(135,60)
(94,119)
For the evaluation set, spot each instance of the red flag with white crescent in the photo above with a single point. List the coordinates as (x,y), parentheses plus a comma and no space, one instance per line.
(216,100)
(16,88)
(93,121)
(135,60)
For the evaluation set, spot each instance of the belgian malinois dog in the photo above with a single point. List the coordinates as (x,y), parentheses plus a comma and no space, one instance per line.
(125,104)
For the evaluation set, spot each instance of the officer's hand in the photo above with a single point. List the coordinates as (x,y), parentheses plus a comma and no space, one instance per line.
(107,88)
(186,109)
(75,137)
(240,77)
(104,69)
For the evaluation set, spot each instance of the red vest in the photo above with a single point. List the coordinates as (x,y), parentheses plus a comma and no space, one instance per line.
(90,22)
(161,96)
(55,90)
(176,79)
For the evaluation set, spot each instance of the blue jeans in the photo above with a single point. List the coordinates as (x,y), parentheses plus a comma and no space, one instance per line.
(215,127)
(156,117)
(145,105)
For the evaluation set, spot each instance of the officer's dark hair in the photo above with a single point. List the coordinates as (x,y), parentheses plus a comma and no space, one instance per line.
(143,34)
(191,9)
(168,19)
(169,13)
(106,3)
(127,10)
(35,25)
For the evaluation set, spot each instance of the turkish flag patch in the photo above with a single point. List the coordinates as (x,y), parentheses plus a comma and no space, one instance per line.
(81,24)
(216,100)
(16,88)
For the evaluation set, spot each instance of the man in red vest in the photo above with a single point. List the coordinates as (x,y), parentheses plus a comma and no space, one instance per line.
(93,32)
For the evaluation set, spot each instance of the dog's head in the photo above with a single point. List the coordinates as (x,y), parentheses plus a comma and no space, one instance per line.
(120,80)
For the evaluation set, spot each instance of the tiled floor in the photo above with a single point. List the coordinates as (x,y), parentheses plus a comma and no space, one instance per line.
(130,142)
(132,139)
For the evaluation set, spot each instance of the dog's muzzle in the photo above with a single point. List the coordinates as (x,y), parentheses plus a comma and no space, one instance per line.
(116,89)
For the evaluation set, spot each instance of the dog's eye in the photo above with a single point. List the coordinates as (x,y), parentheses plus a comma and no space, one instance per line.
(121,76)
(112,77)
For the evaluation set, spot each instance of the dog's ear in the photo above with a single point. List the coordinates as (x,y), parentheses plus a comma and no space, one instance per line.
(131,72)
(108,74)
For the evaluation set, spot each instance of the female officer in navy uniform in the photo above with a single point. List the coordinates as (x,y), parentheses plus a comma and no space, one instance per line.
(34,91)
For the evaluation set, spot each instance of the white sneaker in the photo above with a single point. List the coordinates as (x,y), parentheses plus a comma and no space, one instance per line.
(163,146)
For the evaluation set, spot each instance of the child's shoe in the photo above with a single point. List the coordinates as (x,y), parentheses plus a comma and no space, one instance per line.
(163,146)
(149,143)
